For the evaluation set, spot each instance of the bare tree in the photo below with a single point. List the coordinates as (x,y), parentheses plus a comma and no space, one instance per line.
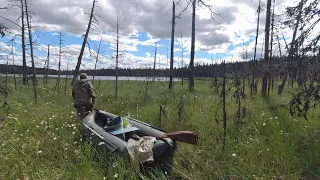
(271,49)
(182,74)
(279,46)
(59,64)
(266,49)
(97,58)
(193,36)
(48,62)
(292,47)
(65,86)
(191,64)
(24,60)
(34,80)
(224,111)
(255,50)
(76,71)
(154,62)
(172,44)
(7,69)
(117,54)
(14,68)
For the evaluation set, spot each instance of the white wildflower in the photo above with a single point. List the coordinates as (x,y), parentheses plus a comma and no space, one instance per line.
(263,124)
(276,117)
(114,165)
(115,175)
(101,143)
(234,155)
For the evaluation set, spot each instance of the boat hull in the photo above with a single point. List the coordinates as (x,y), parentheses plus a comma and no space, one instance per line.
(105,141)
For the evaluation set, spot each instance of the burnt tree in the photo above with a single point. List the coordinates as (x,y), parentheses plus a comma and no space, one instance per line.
(172,45)
(76,71)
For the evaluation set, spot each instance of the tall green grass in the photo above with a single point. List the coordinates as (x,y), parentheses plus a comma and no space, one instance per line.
(42,141)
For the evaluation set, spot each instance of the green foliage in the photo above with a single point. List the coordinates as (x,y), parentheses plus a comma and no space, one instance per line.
(42,141)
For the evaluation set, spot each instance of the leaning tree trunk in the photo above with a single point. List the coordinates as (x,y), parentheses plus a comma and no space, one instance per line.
(271,48)
(255,51)
(76,71)
(193,36)
(293,44)
(172,45)
(24,61)
(34,79)
(266,50)
(291,50)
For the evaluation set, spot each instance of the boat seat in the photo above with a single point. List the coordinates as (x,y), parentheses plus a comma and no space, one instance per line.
(124,130)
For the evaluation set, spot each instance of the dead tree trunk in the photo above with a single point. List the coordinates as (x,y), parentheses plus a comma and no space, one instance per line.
(154,62)
(279,46)
(14,69)
(48,61)
(271,48)
(76,71)
(65,86)
(193,35)
(172,44)
(292,46)
(255,50)
(266,49)
(117,57)
(7,69)
(34,79)
(291,51)
(97,58)
(24,61)
(59,64)
(224,106)
(182,74)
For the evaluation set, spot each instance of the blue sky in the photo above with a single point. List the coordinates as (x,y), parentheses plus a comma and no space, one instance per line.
(143,22)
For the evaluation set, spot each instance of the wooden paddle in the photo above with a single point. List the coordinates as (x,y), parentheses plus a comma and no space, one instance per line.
(182,136)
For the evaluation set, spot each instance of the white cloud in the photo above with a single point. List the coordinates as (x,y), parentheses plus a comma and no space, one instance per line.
(236,24)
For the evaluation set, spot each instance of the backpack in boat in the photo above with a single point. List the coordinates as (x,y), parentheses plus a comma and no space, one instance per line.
(114,124)
(108,123)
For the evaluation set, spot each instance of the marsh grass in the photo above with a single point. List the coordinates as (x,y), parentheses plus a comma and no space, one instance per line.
(42,141)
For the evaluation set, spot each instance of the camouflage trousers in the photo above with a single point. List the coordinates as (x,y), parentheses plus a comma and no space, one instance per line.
(83,110)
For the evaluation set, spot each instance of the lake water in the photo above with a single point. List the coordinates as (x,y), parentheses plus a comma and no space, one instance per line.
(111,78)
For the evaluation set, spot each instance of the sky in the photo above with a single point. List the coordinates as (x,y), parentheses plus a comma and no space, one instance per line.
(223,36)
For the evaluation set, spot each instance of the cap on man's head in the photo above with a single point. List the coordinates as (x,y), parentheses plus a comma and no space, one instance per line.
(83,76)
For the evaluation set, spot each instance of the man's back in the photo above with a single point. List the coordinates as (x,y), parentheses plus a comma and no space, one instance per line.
(83,92)
(83,95)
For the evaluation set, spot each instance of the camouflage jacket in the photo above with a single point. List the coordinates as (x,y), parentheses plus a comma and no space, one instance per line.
(83,93)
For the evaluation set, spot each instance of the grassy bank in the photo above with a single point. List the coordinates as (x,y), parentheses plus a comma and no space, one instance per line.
(41,141)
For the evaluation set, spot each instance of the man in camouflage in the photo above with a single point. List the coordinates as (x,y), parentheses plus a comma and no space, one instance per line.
(83,95)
